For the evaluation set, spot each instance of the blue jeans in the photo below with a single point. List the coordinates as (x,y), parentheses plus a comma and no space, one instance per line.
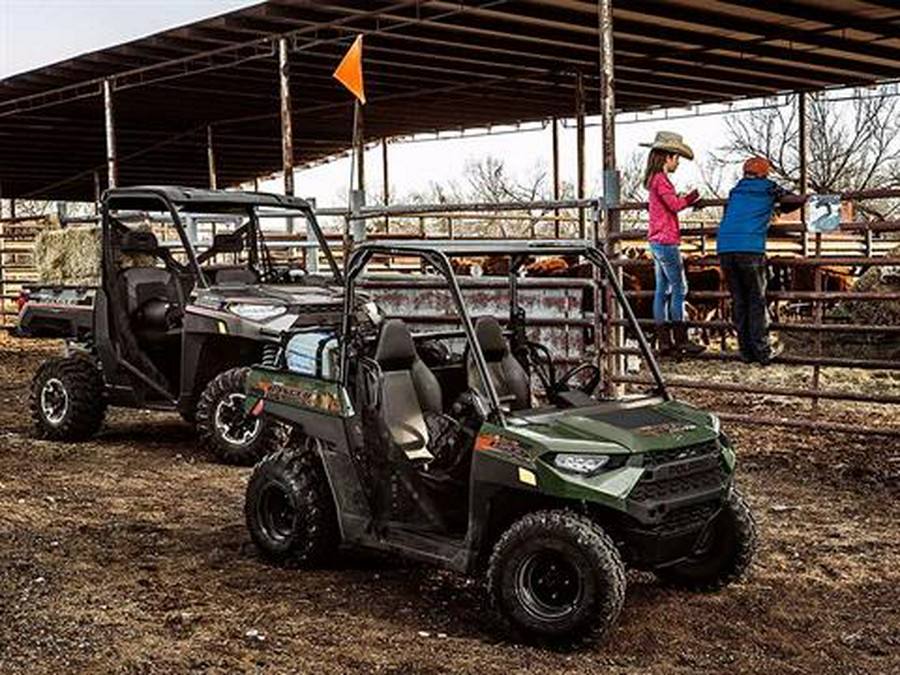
(671,285)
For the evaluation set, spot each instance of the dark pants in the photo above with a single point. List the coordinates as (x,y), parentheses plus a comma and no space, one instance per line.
(746,277)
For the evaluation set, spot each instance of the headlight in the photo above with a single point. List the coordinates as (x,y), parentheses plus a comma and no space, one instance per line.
(257,312)
(586,465)
(715,423)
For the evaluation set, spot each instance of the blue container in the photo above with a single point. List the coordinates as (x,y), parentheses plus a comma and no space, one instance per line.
(313,353)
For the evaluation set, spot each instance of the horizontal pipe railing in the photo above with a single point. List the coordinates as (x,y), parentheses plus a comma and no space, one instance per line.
(533,321)
(775,325)
(826,362)
(816,425)
(776,231)
(368,212)
(794,261)
(830,394)
(783,295)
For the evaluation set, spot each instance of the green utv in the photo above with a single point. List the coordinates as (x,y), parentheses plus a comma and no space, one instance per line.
(451,463)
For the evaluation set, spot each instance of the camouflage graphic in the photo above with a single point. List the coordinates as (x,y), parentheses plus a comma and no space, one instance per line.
(298,391)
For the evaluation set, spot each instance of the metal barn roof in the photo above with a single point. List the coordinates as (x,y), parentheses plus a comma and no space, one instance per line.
(429,65)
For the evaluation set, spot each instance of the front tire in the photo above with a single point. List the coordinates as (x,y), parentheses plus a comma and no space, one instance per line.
(68,399)
(556,577)
(289,509)
(724,551)
(225,430)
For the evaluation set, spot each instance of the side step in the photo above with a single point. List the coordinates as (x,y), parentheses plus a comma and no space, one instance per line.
(436,549)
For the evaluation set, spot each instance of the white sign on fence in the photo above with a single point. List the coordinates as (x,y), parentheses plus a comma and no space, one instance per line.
(824,213)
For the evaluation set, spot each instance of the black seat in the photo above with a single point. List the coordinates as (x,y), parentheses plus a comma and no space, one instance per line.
(408,391)
(509,377)
(150,292)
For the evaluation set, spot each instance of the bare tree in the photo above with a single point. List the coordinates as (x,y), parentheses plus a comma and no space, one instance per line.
(854,145)
(487,179)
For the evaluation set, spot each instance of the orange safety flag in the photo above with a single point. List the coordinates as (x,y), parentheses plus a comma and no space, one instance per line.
(349,72)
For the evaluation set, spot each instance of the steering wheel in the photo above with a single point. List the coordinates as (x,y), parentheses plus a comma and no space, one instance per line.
(546,371)
(544,368)
(435,353)
(589,386)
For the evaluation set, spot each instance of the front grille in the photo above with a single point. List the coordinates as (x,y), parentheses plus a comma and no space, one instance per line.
(670,474)
(654,459)
(647,490)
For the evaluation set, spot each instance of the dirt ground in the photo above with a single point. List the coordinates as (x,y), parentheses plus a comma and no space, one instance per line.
(129,554)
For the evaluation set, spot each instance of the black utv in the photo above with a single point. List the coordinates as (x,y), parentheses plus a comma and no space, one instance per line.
(191,295)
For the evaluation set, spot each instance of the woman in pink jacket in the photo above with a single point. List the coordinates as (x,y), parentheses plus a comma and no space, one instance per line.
(664,236)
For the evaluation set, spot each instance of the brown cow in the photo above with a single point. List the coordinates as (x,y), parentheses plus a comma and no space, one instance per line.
(802,278)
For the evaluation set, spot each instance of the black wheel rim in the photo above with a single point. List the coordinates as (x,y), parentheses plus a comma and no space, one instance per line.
(548,585)
(276,513)
(54,401)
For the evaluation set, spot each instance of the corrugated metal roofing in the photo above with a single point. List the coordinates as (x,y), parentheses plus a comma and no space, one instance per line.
(430,65)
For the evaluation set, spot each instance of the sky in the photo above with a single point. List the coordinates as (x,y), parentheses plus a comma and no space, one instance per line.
(34,33)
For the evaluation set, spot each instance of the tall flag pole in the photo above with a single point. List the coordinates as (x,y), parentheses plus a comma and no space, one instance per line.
(349,73)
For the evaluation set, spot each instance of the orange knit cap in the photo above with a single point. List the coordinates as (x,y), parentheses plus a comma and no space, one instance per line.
(758,166)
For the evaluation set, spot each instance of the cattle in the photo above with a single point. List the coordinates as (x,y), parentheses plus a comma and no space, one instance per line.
(784,276)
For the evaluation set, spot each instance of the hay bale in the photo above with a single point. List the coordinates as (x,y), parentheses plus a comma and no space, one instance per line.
(73,256)
(880,279)
(70,256)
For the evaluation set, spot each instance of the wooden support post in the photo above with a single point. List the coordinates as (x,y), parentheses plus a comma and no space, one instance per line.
(287,128)
(579,148)
(803,117)
(386,191)
(608,221)
(98,193)
(555,129)
(287,131)
(211,158)
(112,168)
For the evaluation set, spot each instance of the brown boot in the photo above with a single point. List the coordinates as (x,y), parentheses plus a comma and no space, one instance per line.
(683,344)
(664,344)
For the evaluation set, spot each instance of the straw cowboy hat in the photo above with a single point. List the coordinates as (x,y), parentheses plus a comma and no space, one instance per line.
(670,142)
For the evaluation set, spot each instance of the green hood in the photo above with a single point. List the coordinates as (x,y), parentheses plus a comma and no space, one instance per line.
(643,425)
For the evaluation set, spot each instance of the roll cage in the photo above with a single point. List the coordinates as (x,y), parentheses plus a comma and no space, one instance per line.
(179,200)
(438,255)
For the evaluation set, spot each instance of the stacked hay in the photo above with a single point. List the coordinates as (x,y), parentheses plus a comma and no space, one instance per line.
(69,256)
(72,256)
(880,279)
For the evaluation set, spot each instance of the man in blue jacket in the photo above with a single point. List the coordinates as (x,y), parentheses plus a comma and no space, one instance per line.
(741,246)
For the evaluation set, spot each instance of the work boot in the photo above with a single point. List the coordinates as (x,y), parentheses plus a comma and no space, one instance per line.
(664,344)
(771,353)
(683,344)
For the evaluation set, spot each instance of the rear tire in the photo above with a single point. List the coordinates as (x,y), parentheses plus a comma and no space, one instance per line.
(725,555)
(289,509)
(556,577)
(68,399)
(225,431)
